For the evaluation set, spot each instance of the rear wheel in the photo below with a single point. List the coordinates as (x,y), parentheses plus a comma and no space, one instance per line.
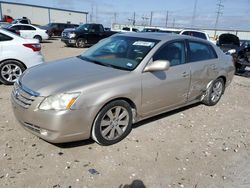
(214,92)
(39,38)
(113,123)
(81,43)
(10,70)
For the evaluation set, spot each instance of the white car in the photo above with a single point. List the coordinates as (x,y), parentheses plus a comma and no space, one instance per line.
(17,54)
(30,31)
(197,33)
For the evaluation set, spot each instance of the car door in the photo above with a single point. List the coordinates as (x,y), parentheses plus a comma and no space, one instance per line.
(163,90)
(95,34)
(28,31)
(204,64)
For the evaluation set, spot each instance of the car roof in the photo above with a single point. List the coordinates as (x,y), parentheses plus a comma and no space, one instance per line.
(161,36)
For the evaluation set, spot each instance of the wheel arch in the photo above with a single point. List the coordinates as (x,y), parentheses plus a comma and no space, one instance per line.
(11,59)
(129,101)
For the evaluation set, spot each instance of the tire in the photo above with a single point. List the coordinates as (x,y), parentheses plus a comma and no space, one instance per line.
(10,70)
(214,93)
(38,37)
(81,43)
(106,129)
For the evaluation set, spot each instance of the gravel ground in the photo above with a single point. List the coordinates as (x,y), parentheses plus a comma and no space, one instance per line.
(197,147)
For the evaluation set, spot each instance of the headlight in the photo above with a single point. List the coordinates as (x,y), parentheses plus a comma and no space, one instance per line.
(72,35)
(59,102)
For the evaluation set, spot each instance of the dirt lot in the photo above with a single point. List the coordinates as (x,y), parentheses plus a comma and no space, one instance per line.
(195,147)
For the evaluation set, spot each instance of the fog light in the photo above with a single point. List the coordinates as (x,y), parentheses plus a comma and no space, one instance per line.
(44,132)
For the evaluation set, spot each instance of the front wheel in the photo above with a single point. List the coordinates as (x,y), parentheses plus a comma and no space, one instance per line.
(214,92)
(10,70)
(113,123)
(81,43)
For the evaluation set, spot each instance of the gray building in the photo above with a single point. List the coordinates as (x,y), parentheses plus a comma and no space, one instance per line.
(41,15)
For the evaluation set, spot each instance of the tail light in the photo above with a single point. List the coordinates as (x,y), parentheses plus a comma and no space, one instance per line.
(18,32)
(34,47)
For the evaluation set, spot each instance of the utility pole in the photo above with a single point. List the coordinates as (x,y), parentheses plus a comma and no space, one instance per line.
(145,20)
(219,13)
(91,14)
(194,13)
(167,20)
(173,22)
(96,14)
(151,18)
(115,16)
(134,19)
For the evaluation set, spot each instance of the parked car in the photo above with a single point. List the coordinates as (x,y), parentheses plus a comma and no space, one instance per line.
(149,29)
(23,20)
(85,35)
(230,43)
(56,29)
(242,57)
(119,81)
(17,54)
(30,31)
(127,29)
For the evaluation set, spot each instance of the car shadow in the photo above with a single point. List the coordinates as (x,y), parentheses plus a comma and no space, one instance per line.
(164,115)
(75,144)
(46,41)
(136,125)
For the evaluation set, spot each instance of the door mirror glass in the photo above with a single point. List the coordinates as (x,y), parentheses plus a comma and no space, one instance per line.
(158,65)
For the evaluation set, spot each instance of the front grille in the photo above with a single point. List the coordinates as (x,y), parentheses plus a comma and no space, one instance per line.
(32,127)
(23,96)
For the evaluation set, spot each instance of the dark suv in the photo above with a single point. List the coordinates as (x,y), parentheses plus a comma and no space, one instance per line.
(56,29)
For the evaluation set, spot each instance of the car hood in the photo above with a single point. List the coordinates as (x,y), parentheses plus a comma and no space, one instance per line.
(68,75)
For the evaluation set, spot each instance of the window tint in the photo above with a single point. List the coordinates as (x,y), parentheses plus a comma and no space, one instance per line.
(126,29)
(62,26)
(16,27)
(4,37)
(201,52)
(26,27)
(174,53)
(24,21)
(195,34)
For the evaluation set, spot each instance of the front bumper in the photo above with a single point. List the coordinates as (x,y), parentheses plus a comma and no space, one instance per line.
(68,41)
(52,126)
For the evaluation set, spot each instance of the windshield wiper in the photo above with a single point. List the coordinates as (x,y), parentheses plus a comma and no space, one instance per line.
(100,63)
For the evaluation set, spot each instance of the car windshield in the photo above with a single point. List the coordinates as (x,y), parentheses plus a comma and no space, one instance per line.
(84,27)
(121,52)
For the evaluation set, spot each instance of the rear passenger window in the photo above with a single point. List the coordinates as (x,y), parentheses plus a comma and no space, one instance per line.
(25,27)
(201,52)
(174,53)
(4,37)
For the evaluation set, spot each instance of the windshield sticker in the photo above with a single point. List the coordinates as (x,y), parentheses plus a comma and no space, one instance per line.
(143,43)
(129,64)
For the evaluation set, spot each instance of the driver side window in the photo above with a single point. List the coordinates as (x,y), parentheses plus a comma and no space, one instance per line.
(174,53)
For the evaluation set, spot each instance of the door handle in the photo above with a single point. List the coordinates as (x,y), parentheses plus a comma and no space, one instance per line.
(185,74)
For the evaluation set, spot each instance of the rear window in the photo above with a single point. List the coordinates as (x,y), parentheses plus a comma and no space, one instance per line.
(4,37)
(201,52)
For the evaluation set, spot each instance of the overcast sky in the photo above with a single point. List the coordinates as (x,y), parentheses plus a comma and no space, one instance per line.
(236,13)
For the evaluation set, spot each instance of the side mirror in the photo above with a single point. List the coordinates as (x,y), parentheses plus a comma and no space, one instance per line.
(158,65)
